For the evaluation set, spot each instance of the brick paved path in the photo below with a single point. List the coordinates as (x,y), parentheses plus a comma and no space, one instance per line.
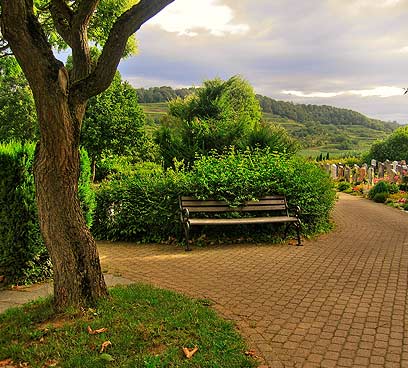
(339,301)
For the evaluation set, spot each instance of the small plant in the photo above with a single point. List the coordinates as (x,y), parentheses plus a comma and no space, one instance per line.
(380,187)
(344,186)
(380,197)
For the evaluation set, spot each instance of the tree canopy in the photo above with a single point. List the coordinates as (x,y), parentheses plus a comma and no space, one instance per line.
(394,147)
(18,120)
(114,123)
(217,115)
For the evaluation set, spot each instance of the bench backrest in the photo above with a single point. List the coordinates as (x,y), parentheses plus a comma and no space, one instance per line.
(268,203)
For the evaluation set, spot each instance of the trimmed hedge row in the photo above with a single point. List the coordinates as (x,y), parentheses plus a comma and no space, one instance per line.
(145,207)
(23,256)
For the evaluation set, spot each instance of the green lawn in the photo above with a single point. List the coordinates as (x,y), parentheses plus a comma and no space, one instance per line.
(146,327)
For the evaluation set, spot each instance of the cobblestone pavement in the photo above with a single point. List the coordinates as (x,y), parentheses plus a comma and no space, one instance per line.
(338,301)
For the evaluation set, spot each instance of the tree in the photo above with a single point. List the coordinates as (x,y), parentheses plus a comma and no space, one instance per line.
(114,123)
(394,147)
(217,115)
(18,119)
(60,96)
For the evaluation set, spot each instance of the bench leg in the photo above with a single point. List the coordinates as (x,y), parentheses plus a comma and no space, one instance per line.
(187,233)
(285,233)
(298,229)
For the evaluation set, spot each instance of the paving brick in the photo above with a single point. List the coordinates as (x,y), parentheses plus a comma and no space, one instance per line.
(338,301)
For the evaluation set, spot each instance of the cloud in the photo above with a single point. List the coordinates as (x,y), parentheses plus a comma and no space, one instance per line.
(312,94)
(190,18)
(373,92)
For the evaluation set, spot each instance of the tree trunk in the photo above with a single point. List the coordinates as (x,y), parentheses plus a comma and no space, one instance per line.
(78,280)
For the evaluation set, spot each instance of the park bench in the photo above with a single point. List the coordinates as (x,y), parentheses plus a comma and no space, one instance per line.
(274,208)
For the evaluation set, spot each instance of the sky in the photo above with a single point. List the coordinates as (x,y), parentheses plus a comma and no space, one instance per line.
(345,53)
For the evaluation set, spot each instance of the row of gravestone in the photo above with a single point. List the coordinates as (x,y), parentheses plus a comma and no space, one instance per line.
(394,172)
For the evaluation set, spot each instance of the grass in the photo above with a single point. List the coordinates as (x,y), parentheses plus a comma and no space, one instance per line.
(147,327)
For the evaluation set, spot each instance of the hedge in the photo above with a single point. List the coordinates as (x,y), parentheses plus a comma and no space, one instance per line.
(23,256)
(145,206)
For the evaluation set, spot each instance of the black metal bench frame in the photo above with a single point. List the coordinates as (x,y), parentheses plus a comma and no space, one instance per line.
(275,206)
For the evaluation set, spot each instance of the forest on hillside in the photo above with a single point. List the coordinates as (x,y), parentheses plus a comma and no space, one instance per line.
(321,114)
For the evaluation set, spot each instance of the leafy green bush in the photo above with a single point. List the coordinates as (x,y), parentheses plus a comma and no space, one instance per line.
(216,116)
(145,207)
(116,167)
(394,147)
(381,187)
(380,197)
(23,256)
(343,186)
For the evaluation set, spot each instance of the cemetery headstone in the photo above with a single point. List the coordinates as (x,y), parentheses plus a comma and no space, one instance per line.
(370,175)
(333,172)
(362,173)
(340,172)
(380,170)
(347,174)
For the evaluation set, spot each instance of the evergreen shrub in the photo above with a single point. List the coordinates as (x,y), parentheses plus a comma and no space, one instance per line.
(344,186)
(145,207)
(381,187)
(380,197)
(23,256)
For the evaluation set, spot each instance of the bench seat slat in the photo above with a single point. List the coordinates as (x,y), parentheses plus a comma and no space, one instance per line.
(188,203)
(187,198)
(277,207)
(246,220)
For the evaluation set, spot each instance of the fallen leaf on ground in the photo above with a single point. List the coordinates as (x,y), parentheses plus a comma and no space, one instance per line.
(251,353)
(51,363)
(18,287)
(6,363)
(104,345)
(94,332)
(189,352)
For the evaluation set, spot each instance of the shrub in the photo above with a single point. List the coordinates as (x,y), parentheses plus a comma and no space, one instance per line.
(23,256)
(380,197)
(216,116)
(394,147)
(145,207)
(344,186)
(380,187)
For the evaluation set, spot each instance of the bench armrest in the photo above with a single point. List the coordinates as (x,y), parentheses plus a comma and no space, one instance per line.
(295,210)
(185,214)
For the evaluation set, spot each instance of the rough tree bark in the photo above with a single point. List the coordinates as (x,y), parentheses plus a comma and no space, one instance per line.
(60,100)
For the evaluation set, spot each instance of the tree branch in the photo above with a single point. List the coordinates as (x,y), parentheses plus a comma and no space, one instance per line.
(85,10)
(62,16)
(127,24)
(27,41)
(81,58)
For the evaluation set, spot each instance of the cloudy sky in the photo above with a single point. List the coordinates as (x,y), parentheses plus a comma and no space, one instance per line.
(346,53)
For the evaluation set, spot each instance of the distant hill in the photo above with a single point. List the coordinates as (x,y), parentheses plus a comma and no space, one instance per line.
(320,127)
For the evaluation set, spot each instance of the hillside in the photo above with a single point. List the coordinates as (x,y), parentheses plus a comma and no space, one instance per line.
(318,127)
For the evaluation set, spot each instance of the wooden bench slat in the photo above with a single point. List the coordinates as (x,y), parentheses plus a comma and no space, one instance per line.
(246,220)
(188,203)
(188,198)
(278,207)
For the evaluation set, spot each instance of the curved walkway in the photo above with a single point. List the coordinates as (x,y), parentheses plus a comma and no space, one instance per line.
(339,301)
